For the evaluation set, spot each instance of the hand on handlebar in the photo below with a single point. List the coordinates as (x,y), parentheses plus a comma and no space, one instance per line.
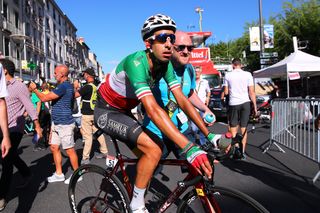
(198,158)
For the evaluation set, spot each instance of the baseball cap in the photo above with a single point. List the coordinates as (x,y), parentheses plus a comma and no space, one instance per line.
(90,71)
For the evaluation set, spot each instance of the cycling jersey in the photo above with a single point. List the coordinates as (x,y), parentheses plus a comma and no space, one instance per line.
(132,79)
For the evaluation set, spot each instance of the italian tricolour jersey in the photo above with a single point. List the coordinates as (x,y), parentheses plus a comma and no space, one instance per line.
(132,79)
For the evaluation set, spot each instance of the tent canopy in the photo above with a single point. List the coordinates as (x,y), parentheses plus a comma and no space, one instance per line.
(297,61)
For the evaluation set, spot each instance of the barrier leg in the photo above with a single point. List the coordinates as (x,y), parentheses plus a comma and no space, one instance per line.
(316,177)
(268,146)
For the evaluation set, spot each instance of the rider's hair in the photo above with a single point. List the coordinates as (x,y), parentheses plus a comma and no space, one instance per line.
(155,23)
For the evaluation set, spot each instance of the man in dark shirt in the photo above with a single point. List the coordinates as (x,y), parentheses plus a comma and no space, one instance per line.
(62,121)
(88,95)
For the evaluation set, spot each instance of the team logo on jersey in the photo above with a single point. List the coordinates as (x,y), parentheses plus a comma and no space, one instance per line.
(102,120)
(136,63)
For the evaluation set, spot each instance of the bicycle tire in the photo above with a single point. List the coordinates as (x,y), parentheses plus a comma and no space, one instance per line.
(227,200)
(94,193)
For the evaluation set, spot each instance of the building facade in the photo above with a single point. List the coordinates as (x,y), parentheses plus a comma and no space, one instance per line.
(37,36)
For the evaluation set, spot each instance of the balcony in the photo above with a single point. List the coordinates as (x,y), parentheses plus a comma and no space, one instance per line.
(10,28)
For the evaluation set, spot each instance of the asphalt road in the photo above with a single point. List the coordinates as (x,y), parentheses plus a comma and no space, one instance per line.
(279,181)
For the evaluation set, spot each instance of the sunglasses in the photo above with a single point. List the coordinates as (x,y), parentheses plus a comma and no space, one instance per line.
(181,48)
(163,37)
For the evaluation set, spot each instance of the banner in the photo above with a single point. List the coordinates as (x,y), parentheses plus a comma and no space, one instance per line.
(254,34)
(268,36)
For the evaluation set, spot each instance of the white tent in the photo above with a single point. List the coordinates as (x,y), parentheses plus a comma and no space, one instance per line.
(296,62)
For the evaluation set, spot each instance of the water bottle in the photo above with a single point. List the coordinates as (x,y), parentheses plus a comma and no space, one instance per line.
(209,118)
(225,141)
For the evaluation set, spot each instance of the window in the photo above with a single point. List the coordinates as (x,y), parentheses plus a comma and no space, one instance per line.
(6,46)
(48,70)
(5,11)
(54,14)
(16,19)
(47,25)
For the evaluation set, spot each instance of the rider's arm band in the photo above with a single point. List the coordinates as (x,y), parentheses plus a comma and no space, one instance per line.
(187,147)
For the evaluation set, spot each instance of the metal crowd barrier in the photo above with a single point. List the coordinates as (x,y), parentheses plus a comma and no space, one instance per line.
(292,125)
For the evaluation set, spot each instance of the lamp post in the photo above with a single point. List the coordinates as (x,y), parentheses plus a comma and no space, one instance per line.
(200,10)
(18,39)
(261,31)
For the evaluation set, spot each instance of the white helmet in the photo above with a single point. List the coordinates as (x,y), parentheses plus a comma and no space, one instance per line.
(157,22)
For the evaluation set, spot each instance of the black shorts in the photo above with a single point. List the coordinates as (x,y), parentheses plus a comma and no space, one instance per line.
(120,125)
(239,115)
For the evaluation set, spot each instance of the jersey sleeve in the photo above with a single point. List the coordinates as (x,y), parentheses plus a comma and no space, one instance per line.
(60,90)
(136,72)
(170,78)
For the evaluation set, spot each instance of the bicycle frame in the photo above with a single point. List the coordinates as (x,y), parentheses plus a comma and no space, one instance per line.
(192,179)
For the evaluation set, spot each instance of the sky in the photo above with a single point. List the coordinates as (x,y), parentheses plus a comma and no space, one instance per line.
(111,28)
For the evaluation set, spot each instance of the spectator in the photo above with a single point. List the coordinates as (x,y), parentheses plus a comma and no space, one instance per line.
(18,101)
(4,132)
(76,111)
(39,107)
(240,87)
(62,126)
(88,95)
(203,92)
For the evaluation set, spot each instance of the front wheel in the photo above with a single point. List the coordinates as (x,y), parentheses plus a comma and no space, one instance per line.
(90,191)
(222,200)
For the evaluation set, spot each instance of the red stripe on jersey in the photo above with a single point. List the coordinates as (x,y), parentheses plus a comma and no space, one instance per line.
(144,94)
(114,99)
(174,87)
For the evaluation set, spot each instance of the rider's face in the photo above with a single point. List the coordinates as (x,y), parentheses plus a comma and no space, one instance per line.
(162,50)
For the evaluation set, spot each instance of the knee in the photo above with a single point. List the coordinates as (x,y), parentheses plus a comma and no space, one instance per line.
(154,153)
(54,148)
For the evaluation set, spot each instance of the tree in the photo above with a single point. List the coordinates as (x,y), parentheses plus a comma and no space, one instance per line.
(300,18)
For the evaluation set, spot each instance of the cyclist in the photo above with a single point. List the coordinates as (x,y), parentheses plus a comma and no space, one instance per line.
(130,83)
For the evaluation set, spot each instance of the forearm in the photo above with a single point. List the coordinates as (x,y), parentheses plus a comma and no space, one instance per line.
(208,99)
(40,95)
(252,96)
(4,118)
(196,102)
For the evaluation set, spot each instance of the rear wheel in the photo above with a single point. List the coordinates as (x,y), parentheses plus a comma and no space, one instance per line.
(90,191)
(222,200)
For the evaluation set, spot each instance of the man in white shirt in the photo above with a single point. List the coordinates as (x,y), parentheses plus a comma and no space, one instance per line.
(240,87)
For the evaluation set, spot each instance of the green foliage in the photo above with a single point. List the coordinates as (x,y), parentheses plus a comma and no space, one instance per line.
(299,18)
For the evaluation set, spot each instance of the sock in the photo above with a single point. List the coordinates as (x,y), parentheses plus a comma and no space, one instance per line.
(137,198)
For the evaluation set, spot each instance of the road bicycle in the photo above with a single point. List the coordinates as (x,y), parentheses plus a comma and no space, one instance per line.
(96,189)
